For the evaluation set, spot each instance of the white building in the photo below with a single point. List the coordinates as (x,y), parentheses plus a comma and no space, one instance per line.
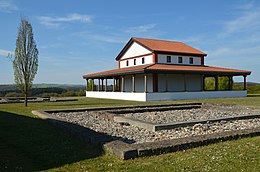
(151,70)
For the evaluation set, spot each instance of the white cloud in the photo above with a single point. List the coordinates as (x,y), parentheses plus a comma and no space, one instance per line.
(246,6)
(8,6)
(58,21)
(236,56)
(108,38)
(6,52)
(140,29)
(248,21)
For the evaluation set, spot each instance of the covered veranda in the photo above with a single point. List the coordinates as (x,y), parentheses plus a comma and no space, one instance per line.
(162,82)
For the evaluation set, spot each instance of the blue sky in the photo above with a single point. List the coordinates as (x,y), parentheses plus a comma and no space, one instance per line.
(83,36)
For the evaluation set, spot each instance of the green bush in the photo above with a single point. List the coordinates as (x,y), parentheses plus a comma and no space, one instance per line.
(69,94)
(81,93)
(13,94)
(49,95)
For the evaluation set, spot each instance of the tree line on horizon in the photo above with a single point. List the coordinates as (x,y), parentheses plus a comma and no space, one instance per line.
(12,91)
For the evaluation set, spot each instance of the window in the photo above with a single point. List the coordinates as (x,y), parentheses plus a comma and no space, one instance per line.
(143,60)
(179,59)
(169,59)
(191,60)
(134,61)
(127,63)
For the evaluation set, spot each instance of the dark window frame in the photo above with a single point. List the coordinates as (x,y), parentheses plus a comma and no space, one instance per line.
(134,61)
(180,60)
(191,60)
(168,59)
(127,63)
(143,60)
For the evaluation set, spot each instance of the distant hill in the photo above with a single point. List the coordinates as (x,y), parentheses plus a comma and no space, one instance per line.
(248,83)
(70,87)
(8,88)
(43,89)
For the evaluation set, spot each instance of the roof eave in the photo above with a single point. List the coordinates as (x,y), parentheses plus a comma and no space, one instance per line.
(200,72)
(113,74)
(180,53)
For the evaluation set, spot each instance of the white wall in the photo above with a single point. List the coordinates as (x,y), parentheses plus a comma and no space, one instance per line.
(117,95)
(162,58)
(135,50)
(148,60)
(139,83)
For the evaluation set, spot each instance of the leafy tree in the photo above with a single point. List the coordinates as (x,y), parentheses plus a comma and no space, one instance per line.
(222,83)
(25,62)
(209,83)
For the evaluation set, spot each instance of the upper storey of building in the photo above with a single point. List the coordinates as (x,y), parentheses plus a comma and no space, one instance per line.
(140,51)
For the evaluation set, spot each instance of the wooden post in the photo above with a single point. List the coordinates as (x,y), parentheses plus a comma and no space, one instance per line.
(145,83)
(93,82)
(119,84)
(113,84)
(87,85)
(230,83)
(106,84)
(98,84)
(155,82)
(133,83)
(244,82)
(202,82)
(216,83)
(102,84)
(123,84)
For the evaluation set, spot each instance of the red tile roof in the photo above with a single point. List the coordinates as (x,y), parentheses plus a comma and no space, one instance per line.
(118,71)
(168,46)
(167,68)
(162,46)
(187,68)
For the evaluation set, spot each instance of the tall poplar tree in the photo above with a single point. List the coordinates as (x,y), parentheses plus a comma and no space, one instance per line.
(25,62)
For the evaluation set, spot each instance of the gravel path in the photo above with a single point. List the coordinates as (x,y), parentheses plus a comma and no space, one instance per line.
(132,134)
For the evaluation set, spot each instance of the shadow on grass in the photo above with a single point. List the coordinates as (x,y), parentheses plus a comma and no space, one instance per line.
(31,144)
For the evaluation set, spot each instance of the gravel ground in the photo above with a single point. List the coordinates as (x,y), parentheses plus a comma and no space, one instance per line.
(207,112)
(132,134)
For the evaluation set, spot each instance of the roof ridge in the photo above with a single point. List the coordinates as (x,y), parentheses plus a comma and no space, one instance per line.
(157,39)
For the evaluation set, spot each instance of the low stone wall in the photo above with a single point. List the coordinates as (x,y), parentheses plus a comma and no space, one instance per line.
(157,127)
(129,151)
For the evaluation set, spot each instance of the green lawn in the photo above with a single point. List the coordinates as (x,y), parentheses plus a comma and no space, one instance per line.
(28,143)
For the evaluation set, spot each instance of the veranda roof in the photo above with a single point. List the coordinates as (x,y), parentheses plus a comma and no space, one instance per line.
(168,68)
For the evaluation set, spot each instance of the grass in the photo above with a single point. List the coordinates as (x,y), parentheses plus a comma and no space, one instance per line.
(28,143)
